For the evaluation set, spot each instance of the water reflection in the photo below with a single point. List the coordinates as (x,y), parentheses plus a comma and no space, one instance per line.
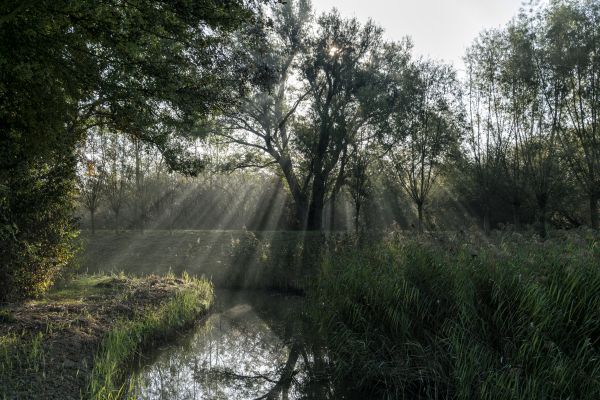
(254,346)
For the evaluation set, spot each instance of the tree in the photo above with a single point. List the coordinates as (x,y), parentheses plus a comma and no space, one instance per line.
(304,124)
(338,72)
(425,133)
(91,180)
(519,89)
(118,175)
(67,66)
(531,93)
(359,177)
(485,144)
(574,42)
(262,125)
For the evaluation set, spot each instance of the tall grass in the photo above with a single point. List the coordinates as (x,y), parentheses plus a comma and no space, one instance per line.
(127,338)
(19,354)
(511,320)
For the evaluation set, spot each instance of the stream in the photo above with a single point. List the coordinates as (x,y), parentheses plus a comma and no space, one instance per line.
(253,345)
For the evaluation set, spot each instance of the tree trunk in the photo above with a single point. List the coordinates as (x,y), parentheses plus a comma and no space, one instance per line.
(315,216)
(516,215)
(594,218)
(93,221)
(298,195)
(138,187)
(332,211)
(337,187)
(315,210)
(486,220)
(420,215)
(542,202)
(301,212)
(357,216)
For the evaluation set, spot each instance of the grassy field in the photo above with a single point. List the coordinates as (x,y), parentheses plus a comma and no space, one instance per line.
(78,339)
(233,259)
(509,317)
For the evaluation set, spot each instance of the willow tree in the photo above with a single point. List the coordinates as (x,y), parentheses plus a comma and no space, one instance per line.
(263,127)
(573,30)
(531,93)
(338,71)
(305,123)
(485,140)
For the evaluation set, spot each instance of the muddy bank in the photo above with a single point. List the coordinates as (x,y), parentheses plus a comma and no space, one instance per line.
(47,346)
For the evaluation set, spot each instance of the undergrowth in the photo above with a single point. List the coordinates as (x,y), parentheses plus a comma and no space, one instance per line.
(19,353)
(515,319)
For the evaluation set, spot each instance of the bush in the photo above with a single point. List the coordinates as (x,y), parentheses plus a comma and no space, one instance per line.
(36,231)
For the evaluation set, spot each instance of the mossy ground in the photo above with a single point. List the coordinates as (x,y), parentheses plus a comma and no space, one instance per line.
(50,347)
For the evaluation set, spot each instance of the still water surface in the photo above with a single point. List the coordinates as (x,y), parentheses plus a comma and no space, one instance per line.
(254,345)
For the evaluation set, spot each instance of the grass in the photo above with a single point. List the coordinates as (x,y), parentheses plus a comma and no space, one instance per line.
(435,317)
(513,318)
(78,340)
(232,259)
(20,352)
(127,338)
(80,288)
(6,316)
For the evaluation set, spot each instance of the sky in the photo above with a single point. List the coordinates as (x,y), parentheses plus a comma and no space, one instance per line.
(440,29)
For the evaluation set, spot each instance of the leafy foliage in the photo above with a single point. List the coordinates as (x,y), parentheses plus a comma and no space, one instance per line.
(142,68)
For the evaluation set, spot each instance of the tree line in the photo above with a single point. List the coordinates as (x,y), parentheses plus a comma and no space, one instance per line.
(345,108)
(334,111)
(126,184)
(345,114)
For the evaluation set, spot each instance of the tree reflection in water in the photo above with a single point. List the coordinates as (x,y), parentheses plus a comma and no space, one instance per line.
(254,346)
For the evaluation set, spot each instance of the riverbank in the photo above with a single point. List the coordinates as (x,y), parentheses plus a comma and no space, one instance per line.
(75,341)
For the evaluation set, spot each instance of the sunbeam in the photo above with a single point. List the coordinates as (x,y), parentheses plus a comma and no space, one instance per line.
(275,200)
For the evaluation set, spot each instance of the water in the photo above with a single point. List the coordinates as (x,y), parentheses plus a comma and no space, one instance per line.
(253,346)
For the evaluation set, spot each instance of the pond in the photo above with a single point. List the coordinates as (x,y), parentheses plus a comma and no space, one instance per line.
(254,345)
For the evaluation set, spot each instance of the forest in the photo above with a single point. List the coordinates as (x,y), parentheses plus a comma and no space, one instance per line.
(254,199)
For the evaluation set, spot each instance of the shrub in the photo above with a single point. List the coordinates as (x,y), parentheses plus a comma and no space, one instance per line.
(37,238)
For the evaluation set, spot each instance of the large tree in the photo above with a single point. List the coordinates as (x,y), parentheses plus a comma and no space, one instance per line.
(573,31)
(319,102)
(486,143)
(531,91)
(142,67)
